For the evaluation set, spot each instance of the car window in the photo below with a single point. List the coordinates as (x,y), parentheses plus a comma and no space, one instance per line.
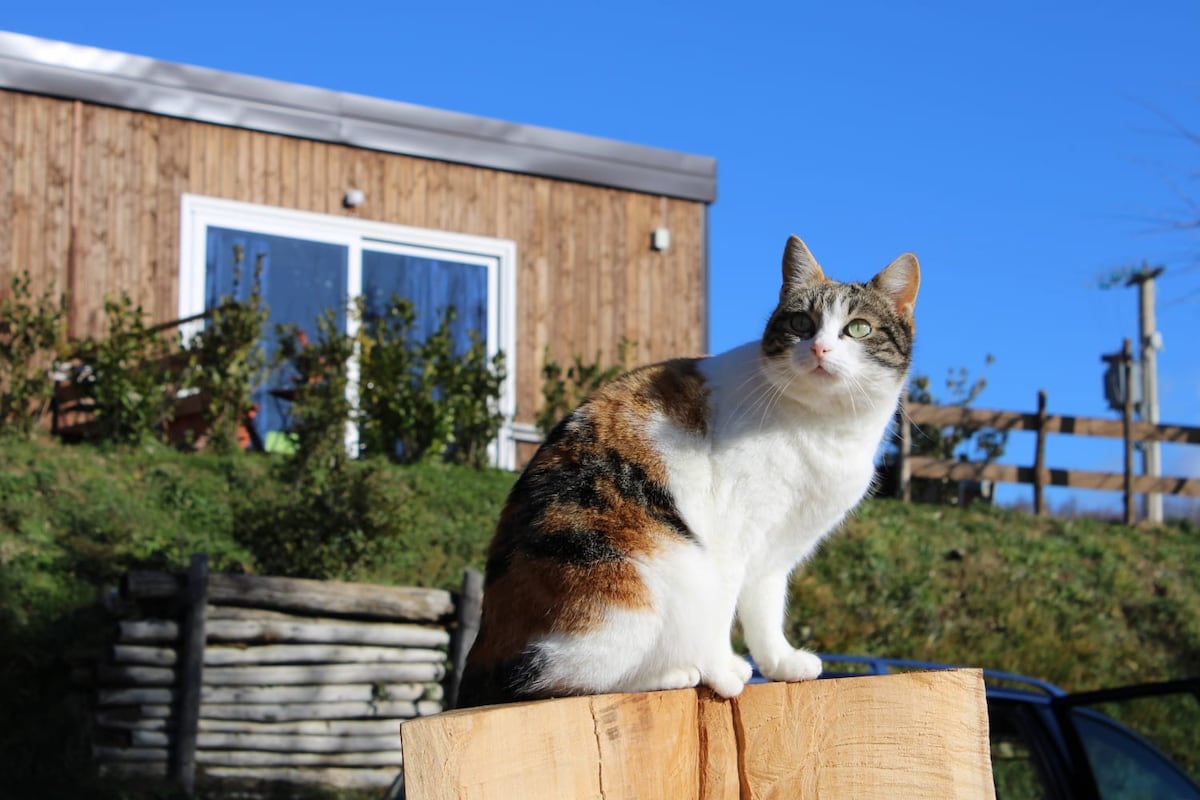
(1016,759)
(1125,765)
(1167,716)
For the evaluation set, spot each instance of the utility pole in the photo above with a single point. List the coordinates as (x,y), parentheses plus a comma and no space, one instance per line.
(1150,343)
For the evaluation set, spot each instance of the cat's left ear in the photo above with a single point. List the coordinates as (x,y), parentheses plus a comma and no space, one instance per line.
(900,280)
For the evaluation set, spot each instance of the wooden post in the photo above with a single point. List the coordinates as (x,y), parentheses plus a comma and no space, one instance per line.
(1127,428)
(917,735)
(1039,458)
(903,451)
(470,606)
(182,768)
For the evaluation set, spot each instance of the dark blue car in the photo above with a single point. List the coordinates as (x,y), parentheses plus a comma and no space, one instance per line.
(1132,743)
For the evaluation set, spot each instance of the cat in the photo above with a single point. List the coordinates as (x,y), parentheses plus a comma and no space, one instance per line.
(685,493)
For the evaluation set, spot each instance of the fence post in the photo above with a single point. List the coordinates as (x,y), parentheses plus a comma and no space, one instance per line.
(1039,457)
(470,605)
(191,668)
(1127,427)
(903,465)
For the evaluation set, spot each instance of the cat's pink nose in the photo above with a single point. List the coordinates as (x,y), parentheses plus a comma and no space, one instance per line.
(819,350)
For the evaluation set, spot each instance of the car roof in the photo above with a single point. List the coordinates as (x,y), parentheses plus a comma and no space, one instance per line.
(999,685)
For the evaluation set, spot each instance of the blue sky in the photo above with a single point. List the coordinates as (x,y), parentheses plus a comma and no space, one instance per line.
(1021,149)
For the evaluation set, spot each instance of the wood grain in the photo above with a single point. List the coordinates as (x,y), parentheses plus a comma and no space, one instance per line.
(915,735)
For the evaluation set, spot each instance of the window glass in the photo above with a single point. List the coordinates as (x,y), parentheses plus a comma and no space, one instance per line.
(1146,746)
(1015,769)
(433,285)
(300,280)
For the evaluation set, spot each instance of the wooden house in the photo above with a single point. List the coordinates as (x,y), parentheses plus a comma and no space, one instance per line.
(123,174)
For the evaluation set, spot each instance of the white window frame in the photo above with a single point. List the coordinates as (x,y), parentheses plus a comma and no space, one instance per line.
(498,256)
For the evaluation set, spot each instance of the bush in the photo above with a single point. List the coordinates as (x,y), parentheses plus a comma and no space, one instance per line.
(31,341)
(563,390)
(423,400)
(225,362)
(126,376)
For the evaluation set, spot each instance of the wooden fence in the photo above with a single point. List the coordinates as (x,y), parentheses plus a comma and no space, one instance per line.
(918,736)
(1039,475)
(252,678)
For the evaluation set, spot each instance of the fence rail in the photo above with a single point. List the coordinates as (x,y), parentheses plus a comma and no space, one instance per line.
(1039,475)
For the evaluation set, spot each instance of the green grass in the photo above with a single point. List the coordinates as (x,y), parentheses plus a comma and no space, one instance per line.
(1080,602)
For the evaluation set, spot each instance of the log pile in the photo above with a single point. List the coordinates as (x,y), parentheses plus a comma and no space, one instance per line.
(295,681)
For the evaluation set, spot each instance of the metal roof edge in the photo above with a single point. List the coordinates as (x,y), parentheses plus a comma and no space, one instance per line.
(44,66)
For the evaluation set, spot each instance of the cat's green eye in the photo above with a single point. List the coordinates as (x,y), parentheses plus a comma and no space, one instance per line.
(801,324)
(858,328)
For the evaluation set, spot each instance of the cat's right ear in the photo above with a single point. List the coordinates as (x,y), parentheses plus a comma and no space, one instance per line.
(799,266)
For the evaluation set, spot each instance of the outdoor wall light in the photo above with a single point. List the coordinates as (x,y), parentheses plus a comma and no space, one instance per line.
(660,239)
(353,198)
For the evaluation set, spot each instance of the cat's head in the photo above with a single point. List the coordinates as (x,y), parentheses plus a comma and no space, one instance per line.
(843,346)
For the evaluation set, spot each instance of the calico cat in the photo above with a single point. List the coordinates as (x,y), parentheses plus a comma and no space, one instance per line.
(686,492)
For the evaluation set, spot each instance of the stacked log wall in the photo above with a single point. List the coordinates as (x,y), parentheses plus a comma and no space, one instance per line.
(297,681)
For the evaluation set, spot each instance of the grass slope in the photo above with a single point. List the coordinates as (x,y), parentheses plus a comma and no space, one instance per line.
(1083,603)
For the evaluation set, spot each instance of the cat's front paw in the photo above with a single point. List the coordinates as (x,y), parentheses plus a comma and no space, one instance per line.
(729,677)
(792,665)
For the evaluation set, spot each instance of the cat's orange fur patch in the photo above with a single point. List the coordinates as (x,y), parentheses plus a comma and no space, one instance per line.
(534,570)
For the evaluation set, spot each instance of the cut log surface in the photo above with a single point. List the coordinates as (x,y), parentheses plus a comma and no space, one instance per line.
(341,778)
(305,596)
(276,712)
(919,736)
(280,632)
(318,654)
(323,673)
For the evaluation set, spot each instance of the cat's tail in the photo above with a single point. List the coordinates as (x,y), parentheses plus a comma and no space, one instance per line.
(506,681)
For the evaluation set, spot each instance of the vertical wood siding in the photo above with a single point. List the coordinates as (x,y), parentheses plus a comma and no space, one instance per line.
(586,275)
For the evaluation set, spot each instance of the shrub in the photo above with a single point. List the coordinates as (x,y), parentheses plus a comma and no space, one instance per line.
(126,375)
(31,339)
(225,361)
(422,400)
(563,390)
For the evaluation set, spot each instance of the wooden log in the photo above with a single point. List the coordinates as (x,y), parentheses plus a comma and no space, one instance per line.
(263,758)
(277,742)
(470,610)
(154,754)
(323,693)
(323,673)
(137,696)
(340,778)
(106,719)
(305,595)
(286,712)
(182,766)
(133,769)
(147,630)
(308,727)
(125,675)
(319,654)
(922,736)
(143,654)
(381,635)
